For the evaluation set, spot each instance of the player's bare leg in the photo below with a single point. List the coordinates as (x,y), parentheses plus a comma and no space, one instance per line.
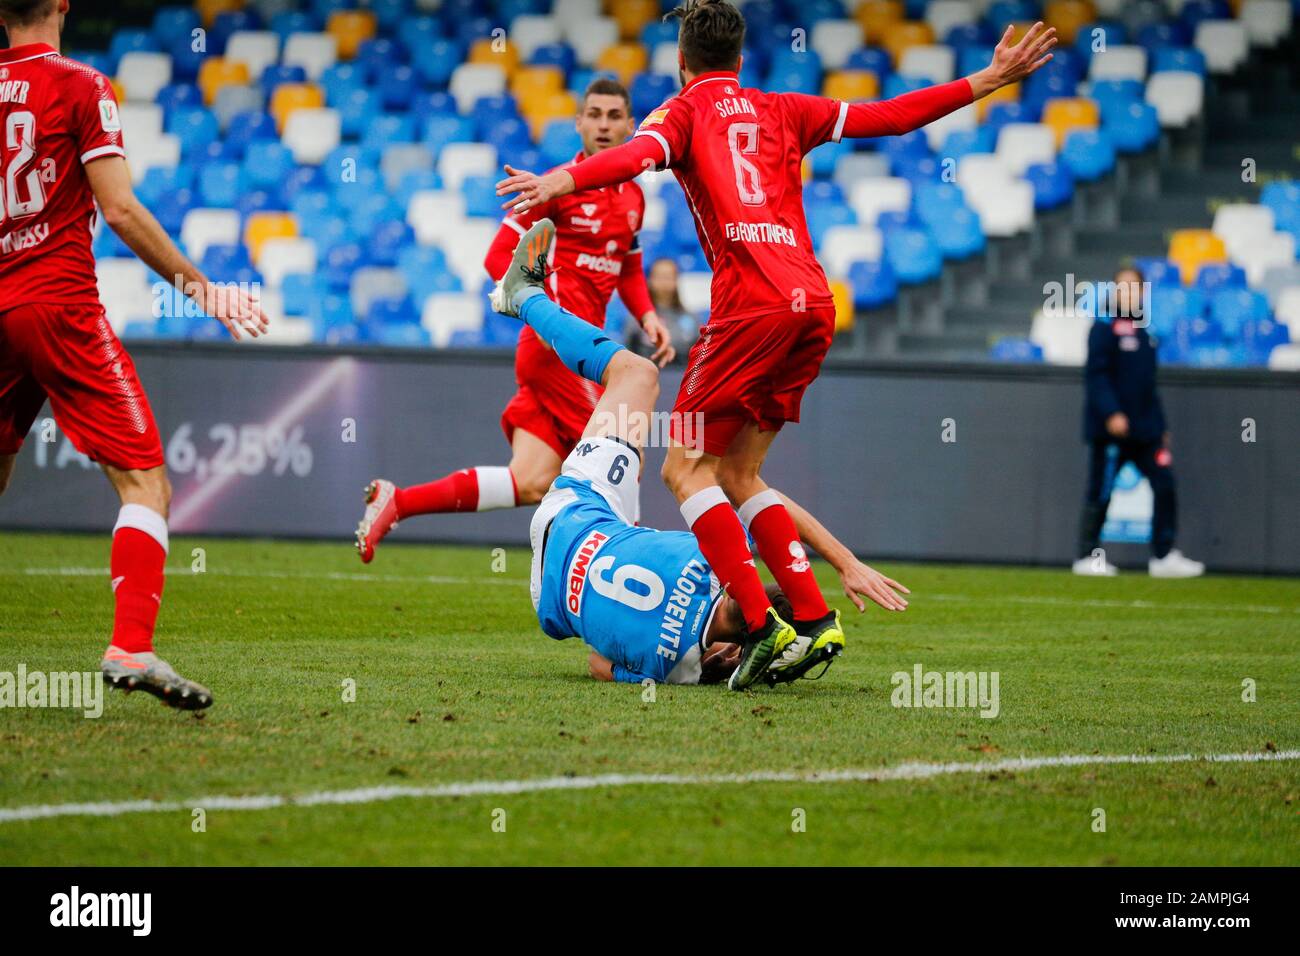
(533,466)
(139,552)
(6,470)
(764,513)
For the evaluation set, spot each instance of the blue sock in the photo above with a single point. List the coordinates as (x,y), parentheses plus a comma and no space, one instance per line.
(581,346)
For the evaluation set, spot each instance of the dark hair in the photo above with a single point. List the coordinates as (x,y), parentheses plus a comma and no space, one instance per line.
(607,86)
(22,13)
(712,34)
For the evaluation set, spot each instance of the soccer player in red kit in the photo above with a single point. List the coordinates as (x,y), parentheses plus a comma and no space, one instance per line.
(61,152)
(597,253)
(738,155)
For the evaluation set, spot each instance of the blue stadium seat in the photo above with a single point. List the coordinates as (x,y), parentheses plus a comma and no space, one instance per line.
(227,24)
(1159,271)
(267,164)
(913,255)
(278,74)
(873,284)
(260,200)
(397,85)
(1233,309)
(129,41)
(1178,58)
(1019,350)
(247,128)
(220,184)
(872,59)
(177,95)
(934,202)
(1162,35)
(435,61)
(961,235)
(1000,114)
(1195,11)
(1216,276)
(649,90)
(1171,306)
(194,127)
(1053,184)
(159,180)
(556,54)
(965,36)
(387,128)
(171,208)
(174,23)
(560,141)
(343,260)
(294,21)
(222,262)
(1132,127)
(962,142)
(441,130)
(1088,154)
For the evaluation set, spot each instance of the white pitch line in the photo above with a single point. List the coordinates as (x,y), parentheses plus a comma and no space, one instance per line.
(907,771)
(1028,599)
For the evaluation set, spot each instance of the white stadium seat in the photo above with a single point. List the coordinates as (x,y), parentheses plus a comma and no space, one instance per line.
(140,121)
(572,13)
(935,63)
(233,100)
(281,256)
(256,49)
(696,291)
(312,134)
(590,38)
(1287,310)
(943,15)
(1008,211)
(529,31)
(470,81)
(142,74)
(145,153)
(1224,44)
(1177,95)
(314,52)
(1062,337)
(1236,223)
(1285,358)
(982,172)
(402,158)
(459,160)
(208,227)
(1120,62)
(371,283)
(1266,21)
(965,118)
(284,329)
(431,212)
(1021,145)
(124,291)
(655,216)
(834,40)
(844,245)
(870,197)
(855,166)
(663,59)
(1257,254)
(445,314)
(467,246)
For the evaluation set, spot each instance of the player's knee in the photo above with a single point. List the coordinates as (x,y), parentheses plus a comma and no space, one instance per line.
(531,490)
(628,367)
(739,480)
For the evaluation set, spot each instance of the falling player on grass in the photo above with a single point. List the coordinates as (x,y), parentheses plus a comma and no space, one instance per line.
(646,601)
(61,152)
(598,252)
(738,155)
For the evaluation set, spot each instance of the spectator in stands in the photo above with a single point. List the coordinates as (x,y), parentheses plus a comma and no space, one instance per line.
(1124,421)
(682,325)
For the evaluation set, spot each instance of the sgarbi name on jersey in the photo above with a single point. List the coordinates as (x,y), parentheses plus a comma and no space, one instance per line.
(578,569)
(761,232)
(21,239)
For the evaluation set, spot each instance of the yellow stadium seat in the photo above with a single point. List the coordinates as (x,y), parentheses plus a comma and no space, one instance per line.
(1005,94)
(851,85)
(217,72)
(625,60)
(500,53)
(843,297)
(532,81)
(900,36)
(351,28)
(876,16)
(545,109)
(262,226)
(208,9)
(294,96)
(1193,248)
(1068,16)
(632,15)
(1066,114)
(118,91)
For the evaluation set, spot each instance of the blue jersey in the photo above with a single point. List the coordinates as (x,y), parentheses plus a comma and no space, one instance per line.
(641,598)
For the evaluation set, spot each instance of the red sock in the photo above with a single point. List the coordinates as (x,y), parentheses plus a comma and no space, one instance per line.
(470,489)
(779,547)
(722,541)
(136,567)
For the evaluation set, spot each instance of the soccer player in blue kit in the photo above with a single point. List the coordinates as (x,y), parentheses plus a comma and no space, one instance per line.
(645,601)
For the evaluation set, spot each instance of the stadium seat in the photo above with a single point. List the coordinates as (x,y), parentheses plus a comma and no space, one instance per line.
(351,28)
(590,37)
(834,41)
(217,73)
(1065,115)
(874,284)
(530,32)
(632,16)
(1266,22)
(312,134)
(936,63)
(1192,248)
(459,160)
(1239,223)
(851,85)
(283,256)
(1177,96)
(430,213)
(963,120)
(256,49)
(870,197)
(294,96)
(1018,350)
(913,255)
(1122,62)
(314,52)
(445,314)
(900,37)
(235,101)
(877,16)
(1053,184)
(943,15)
(1063,337)
(624,60)
(208,227)
(842,246)
(1088,154)
(1020,145)
(263,226)
(1132,127)
(470,81)
(143,74)
(1067,16)
(1224,44)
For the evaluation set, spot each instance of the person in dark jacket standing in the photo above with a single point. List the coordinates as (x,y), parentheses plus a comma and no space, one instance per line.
(1124,421)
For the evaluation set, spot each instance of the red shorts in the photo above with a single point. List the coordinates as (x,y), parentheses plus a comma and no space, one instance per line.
(749,370)
(69,354)
(552,402)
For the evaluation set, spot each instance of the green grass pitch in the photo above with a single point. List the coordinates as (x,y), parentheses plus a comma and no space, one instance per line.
(456,684)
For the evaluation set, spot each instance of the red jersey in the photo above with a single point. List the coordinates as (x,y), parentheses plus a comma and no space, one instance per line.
(596,235)
(56,115)
(738,154)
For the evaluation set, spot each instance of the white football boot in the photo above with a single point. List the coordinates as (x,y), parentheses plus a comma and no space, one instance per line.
(1175,565)
(1094,567)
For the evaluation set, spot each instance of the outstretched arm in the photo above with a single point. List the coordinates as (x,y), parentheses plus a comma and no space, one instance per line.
(857,578)
(110,181)
(616,165)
